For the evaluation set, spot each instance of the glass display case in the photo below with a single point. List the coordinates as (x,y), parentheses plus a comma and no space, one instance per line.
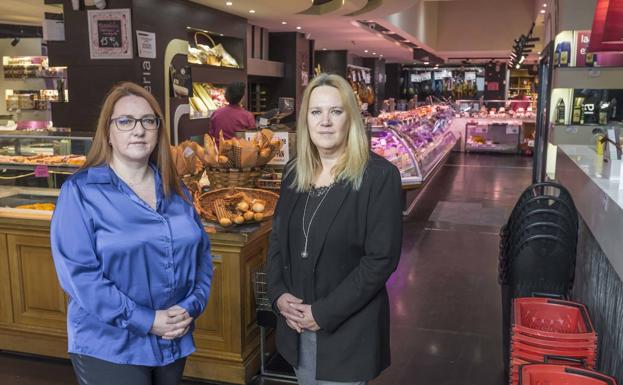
(37,160)
(415,146)
(502,136)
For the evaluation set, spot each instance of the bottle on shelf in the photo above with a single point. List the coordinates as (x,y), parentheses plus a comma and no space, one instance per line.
(565,53)
(591,59)
(578,115)
(613,109)
(560,111)
(557,56)
(604,107)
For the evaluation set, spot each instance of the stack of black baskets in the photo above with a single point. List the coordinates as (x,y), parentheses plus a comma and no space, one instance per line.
(537,249)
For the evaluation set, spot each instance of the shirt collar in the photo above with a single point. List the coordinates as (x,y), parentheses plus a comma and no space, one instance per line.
(104,174)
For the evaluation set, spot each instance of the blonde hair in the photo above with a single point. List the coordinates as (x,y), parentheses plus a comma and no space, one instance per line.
(352,164)
(101,150)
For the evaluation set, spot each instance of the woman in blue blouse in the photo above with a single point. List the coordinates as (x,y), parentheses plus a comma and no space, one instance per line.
(130,251)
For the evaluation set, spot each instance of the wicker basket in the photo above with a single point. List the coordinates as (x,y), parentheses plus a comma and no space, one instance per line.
(205,202)
(233,177)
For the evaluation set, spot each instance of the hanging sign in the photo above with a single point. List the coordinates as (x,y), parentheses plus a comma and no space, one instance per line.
(110,34)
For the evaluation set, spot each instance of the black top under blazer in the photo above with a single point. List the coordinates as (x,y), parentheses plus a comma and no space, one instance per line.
(360,242)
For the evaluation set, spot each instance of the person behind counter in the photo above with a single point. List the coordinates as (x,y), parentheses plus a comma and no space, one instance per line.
(232,117)
(130,251)
(336,239)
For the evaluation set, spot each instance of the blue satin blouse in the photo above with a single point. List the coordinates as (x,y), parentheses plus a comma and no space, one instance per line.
(119,261)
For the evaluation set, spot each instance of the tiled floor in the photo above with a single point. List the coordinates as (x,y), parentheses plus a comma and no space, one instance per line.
(445,298)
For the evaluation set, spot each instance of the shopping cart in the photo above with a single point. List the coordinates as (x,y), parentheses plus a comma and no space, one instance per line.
(266,320)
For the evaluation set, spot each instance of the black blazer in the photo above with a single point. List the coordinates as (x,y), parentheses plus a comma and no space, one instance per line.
(356,251)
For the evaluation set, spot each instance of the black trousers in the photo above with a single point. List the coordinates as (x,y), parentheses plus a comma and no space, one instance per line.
(93,371)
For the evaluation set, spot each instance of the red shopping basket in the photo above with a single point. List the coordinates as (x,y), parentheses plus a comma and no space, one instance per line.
(546,374)
(586,354)
(552,318)
(553,343)
(517,364)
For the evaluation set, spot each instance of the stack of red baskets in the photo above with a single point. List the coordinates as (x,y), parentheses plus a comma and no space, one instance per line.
(551,330)
(533,374)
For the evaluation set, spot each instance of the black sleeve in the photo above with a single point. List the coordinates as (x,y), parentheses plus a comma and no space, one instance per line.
(382,252)
(274,271)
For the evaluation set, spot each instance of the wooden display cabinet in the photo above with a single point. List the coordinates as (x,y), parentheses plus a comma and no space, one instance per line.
(33,306)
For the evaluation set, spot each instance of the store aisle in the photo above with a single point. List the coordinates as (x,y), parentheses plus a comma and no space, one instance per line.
(445,296)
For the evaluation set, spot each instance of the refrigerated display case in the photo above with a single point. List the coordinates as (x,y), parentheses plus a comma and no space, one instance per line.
(416,145)
(36,160)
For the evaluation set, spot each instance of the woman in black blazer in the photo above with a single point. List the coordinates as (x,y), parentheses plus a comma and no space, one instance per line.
(336,239)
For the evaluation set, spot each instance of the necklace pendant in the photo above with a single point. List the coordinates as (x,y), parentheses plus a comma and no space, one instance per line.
(304,254)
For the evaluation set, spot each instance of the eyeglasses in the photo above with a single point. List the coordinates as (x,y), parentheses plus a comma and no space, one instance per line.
(127,123)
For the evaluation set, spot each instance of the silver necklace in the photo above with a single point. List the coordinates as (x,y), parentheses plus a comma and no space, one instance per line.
(304,254)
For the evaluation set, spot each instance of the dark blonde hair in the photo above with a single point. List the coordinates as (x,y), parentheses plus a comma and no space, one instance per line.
(101,150)
(351,166)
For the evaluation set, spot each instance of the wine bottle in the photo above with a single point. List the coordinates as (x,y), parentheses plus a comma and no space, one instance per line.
(557,56)
(565,53)
(603,112)
(560,111)
(577,110)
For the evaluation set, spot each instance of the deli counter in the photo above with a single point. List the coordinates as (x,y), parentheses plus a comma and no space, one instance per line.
(415,141)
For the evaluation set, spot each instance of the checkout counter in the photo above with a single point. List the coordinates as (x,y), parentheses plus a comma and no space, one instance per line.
(597,190)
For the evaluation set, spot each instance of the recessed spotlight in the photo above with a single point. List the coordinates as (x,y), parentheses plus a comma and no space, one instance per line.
(373,53)
(324,49)
(284,22)
(542,11)
(426,63)
(545,4)
(252,11)
(298,27)
(365,50)
(229,3)
(221,34)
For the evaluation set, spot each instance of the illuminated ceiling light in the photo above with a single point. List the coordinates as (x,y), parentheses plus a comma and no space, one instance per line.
(518,66)
(426,63)
(324,49)
(229,3)
(521,60)
(373,53)
(298,27)
(545,4)
(365,50)
(252,11)
(542,11)
(284,22)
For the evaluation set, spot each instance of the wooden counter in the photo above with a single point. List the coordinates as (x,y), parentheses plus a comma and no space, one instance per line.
(33,306)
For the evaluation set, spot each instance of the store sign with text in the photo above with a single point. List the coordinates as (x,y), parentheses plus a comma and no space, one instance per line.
(585,58)
(283,155)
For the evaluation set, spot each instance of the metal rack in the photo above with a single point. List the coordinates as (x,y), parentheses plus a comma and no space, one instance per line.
(266,319)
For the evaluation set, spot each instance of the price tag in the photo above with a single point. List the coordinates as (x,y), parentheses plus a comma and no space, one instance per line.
(188,152)
(263,122)
(512,130)
(41,171)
